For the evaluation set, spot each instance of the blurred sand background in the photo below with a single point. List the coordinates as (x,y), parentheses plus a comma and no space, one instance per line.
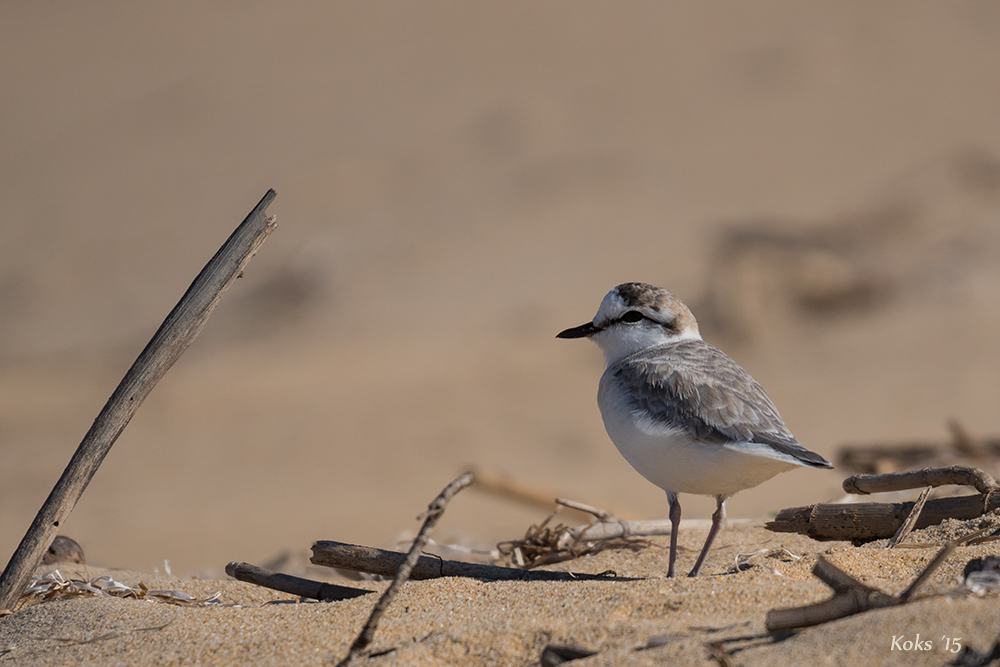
(456,184)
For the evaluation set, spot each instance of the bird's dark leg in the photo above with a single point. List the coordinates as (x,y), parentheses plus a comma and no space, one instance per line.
(675,524)
(717,520)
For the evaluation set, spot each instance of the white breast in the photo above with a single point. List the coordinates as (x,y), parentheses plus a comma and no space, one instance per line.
(672,460)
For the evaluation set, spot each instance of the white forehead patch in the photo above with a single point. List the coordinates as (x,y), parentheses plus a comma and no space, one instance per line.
(612,306)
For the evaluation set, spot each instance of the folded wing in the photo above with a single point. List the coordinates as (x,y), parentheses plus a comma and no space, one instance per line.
(699,388)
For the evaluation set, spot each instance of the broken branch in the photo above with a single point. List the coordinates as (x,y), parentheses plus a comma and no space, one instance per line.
(286,583)
(911,520)
(386,563)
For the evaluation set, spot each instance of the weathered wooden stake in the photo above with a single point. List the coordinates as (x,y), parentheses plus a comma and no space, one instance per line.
(168,343)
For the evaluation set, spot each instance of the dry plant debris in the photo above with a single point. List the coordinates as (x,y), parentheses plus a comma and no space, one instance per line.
(543,544)
(54,586)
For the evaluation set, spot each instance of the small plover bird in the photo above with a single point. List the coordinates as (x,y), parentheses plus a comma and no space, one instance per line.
(682,413)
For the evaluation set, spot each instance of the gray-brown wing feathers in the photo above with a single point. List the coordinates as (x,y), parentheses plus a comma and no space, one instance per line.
(695,386)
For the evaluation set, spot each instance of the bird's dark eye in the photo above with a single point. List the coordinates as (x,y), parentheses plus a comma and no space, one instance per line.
(632,316)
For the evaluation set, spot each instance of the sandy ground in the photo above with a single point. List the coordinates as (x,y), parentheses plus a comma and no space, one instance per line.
(457,183)
(455,621)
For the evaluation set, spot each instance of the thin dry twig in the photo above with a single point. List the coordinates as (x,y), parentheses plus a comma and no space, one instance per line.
(936,562)
(975,537)
(911,520)
(602,515)
(433,513)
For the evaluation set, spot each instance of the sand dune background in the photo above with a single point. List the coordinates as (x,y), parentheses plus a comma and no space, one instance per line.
(457,183)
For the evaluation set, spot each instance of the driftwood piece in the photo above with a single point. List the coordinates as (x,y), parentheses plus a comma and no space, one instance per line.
(176,333)
(386,563)
(431,516)
(286,583)
(863,522)
(980,480)
(593,532)
(850,596)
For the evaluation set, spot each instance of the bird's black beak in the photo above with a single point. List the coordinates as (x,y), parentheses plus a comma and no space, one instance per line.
(582,331)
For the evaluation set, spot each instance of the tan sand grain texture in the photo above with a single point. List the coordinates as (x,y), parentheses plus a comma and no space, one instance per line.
(470,622)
